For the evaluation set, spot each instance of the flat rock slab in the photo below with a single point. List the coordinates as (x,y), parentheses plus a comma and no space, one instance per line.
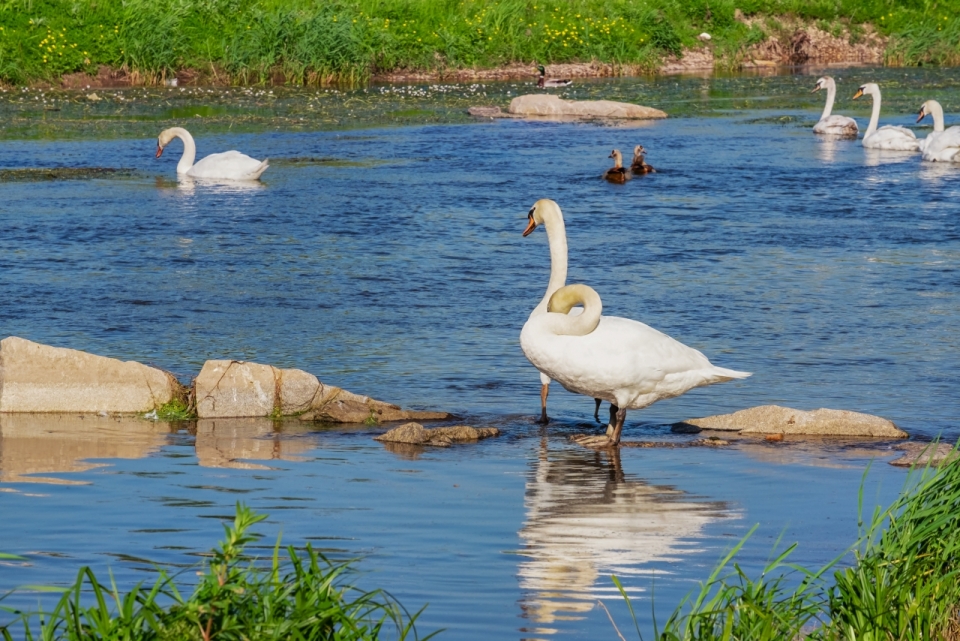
(417,434)
(550,105)
(922,454)
(227,389)
(39,378)
(774,419)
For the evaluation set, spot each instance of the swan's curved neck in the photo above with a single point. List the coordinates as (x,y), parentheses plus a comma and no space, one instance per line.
(557,238)
(875,116)
(831,96)
(189,149)
(937,112)
(565,299)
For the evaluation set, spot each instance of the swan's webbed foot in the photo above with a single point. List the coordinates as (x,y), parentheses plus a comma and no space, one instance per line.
(596,410)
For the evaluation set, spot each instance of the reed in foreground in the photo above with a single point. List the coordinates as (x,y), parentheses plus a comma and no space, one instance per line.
(902,586)
(303,597)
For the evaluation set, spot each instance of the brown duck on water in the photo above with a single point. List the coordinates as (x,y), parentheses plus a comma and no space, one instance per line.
(618,173)
(639,165)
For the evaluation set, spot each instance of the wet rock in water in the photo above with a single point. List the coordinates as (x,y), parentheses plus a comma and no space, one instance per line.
(227,388)
(40,378)
(921,454)
(774,419)
(416,434)
(550,105)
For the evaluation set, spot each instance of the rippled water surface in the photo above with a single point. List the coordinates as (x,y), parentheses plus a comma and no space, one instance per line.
(389,260)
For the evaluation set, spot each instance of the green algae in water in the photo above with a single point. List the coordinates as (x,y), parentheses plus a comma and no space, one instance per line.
(43,174)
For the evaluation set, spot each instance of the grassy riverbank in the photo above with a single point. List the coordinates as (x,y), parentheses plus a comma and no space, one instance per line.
(296,41)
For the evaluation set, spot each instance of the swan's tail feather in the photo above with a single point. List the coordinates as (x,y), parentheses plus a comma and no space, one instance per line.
(725,374)
(253,175)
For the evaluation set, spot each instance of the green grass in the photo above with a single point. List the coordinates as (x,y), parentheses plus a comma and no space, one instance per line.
(176,410)
(903,583)
(303,597)
(308,42)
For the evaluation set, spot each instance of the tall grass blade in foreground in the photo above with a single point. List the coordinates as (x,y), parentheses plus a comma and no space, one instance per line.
(303,597)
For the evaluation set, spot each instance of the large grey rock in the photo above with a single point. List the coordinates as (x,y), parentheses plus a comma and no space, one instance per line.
(242,389)
(774,419)
(416,434)
(550,105)
(41,378)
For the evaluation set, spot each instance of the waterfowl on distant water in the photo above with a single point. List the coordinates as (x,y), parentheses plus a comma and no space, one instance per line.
(229,165)
(940,145)
(890,137)
(543,81)
(830,124)
(639,165)
(618,173)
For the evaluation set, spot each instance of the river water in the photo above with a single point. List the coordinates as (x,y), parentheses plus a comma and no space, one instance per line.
(383,252)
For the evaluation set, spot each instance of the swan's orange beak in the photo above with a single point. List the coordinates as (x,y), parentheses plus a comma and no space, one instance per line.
(858,94)
(922,114)
(159,151)
(530,226)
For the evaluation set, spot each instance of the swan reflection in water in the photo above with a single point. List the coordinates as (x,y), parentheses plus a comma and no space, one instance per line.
(33,445)
(586,519)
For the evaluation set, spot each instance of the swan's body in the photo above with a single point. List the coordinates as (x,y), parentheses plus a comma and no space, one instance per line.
(557,239)
(543,81)
(639,165)
(890,137)
(606,357)
(833,125)
(940,145)
(229,165)
(618,173)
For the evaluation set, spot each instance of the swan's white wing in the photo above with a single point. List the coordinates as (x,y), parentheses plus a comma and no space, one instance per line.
(621,361)
(944,147)
(837,126)
(894,138)
(231,165)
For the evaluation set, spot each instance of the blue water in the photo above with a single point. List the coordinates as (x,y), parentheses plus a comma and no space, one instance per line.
(401,273)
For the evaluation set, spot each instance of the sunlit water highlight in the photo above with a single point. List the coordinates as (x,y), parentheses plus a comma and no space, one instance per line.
(390,261)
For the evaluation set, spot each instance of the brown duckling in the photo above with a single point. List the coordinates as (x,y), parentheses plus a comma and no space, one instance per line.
(618,173)
(639,165)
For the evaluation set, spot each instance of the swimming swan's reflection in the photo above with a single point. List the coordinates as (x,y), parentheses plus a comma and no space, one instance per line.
(57,443)
(231,442)
(586,519)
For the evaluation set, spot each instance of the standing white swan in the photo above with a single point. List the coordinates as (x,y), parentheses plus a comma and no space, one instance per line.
(229,165)
(833,125)
(610,358)
(939,145)
(551,217)
(891,137)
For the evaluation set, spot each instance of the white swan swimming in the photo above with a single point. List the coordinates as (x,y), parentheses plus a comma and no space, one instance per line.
(551,218)
(229,165)
(829,124)
(939,145)
(891,137)
(615,359)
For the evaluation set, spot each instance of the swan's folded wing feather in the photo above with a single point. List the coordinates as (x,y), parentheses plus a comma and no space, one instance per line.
(944,146)
(231,165)
(892,137)
(837,125)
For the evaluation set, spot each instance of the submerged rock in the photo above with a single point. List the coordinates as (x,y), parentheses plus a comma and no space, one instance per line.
(227,388)
(486,112)
(416,434)
(550,105)
(41,378)
(921,454)
(774,419)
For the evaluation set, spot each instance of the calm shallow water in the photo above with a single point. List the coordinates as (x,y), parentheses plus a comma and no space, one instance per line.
(390,261)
